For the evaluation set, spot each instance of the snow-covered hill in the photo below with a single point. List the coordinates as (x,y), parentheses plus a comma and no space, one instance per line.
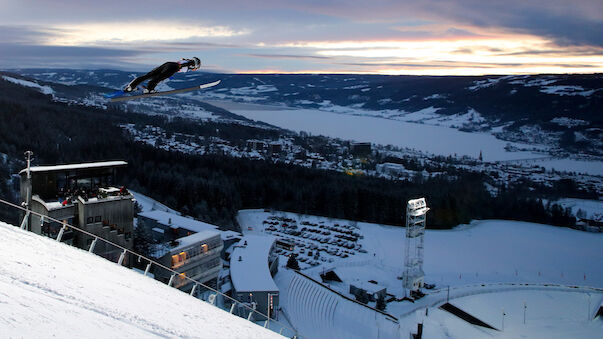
(556,110)
(49,289)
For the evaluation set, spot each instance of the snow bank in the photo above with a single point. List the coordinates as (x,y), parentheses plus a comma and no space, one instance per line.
(51,289)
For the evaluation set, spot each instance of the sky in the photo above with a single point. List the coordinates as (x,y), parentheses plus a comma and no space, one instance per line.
(426,37)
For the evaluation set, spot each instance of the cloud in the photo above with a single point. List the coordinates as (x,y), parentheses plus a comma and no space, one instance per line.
(288,56)
(21,56)
(565,22)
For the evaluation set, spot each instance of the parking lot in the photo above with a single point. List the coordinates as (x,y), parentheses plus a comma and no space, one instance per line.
(312,242)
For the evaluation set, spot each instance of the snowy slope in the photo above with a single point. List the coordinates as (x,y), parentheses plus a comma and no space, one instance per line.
(548,314)
(51,289)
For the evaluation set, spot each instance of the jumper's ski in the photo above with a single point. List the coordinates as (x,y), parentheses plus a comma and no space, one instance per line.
(116,97)
(114,94)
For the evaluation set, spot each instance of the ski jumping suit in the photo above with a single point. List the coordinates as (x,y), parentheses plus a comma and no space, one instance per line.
(159,74)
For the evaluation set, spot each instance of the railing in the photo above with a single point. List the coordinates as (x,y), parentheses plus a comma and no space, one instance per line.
(118,254)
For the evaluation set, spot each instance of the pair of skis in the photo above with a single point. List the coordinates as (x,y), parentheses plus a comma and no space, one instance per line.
(121,95)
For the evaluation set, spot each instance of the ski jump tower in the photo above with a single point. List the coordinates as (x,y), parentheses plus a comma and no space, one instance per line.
(415,230)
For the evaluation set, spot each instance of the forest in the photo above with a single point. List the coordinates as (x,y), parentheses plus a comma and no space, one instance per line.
(213,188)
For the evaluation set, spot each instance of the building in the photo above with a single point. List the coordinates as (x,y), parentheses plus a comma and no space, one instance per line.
(82,195)
(196,256)
(394,170)
(188,246)
(360,149)
(166,227)
(275,148)
(257,145)
(253,263)
(371,291)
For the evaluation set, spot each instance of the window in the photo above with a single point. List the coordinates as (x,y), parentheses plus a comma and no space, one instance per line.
(90,220)
(178,259)
(97,218)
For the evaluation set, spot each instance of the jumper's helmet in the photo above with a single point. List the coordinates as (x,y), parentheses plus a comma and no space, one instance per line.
(196,63)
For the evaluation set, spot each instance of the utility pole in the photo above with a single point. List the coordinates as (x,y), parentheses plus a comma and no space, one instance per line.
(503,319)
(525,307)
(588,310)
(28,155)
(25,222)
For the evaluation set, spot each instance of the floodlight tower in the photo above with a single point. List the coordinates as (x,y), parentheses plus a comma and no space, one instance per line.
(415,230)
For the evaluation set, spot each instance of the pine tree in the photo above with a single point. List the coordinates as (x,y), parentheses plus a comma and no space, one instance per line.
(292,263)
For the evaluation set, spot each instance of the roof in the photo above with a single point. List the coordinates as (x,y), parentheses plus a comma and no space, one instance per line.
(227,235)
(368,286)
(252,274)
(193,239)
(89,165)
(176,221)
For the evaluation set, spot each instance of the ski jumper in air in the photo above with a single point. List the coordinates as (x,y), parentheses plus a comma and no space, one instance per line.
(163,72)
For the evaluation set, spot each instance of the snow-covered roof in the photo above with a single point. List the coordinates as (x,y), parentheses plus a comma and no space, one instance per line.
(252,274)
(89,165)
(176,221)
(227,235)
(368,286)
(193,239)
(50,205)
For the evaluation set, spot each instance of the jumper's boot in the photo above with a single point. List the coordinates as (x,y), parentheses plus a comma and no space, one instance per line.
(148,91)
(129,88)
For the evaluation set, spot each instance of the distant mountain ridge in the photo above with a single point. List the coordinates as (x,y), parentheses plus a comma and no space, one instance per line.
(564,111)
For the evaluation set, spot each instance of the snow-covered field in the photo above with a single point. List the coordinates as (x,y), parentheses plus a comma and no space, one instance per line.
(49,289)
(472,259)
(591,209)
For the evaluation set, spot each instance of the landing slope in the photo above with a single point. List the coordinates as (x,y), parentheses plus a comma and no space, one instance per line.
(51,289)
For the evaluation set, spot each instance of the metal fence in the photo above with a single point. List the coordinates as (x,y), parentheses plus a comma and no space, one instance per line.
(120,255)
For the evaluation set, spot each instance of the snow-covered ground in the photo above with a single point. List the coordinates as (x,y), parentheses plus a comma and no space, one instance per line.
(548,314)
(49,289)
(591,209)
(472,259)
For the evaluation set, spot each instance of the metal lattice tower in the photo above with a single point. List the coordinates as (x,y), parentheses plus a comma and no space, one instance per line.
(415,230)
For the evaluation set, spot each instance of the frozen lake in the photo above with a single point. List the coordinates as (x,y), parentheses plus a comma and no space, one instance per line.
(438,140)
(428,138)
